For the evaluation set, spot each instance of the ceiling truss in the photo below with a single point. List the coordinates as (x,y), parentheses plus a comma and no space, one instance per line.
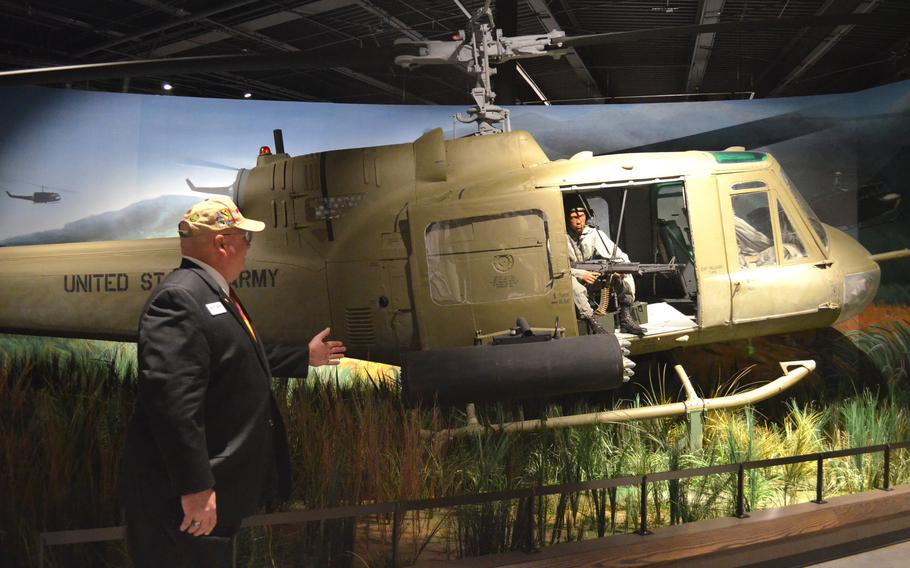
(772,62)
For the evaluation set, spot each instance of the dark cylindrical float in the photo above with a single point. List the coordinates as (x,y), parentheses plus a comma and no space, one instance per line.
(520,370)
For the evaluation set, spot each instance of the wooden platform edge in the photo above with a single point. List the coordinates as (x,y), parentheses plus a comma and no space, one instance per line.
(788,536)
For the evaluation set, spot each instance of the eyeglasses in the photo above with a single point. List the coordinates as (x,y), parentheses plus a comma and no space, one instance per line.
(247,236)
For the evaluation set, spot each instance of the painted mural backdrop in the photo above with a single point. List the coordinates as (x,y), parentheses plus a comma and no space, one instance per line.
(77,166)
(114,166)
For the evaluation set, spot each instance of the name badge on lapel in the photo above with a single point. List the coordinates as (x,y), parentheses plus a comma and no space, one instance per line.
(216,308)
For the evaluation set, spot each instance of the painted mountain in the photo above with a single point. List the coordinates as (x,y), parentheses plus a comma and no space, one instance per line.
(146,219)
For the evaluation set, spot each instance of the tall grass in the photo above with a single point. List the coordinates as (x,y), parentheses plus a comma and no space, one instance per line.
(63,410)
(887,348)
(64,405)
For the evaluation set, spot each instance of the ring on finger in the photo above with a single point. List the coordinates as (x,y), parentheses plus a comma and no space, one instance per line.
(194,524)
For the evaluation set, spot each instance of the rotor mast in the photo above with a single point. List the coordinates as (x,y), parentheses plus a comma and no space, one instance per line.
(477,53)
(484,38)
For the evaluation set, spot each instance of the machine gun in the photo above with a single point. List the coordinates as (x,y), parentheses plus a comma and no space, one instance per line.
(606,267)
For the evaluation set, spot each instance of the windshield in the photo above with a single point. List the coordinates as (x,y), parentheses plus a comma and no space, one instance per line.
(807,211)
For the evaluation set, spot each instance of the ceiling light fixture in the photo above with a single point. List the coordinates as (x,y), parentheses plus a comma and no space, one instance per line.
(669,10)
(166,86)
(247,95)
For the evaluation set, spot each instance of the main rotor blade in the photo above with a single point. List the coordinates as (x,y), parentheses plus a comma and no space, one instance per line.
(356,57)
(372,57)
(742,25)
(208,164)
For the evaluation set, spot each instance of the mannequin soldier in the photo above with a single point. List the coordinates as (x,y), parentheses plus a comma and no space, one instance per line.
(587,243)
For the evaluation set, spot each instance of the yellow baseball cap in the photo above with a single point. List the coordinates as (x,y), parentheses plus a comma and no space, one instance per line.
(213,215)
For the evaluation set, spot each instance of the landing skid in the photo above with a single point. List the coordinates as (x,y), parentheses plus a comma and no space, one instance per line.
(794,371)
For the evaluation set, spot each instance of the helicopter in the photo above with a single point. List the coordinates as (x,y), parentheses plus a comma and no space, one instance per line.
(415,258)
(449,257)
(38,197)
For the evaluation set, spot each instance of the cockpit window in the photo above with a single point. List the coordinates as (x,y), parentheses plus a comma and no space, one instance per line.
(807,211)
(792,244)
(754,235)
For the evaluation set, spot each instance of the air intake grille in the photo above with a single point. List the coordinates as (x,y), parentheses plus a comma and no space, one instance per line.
(359,323)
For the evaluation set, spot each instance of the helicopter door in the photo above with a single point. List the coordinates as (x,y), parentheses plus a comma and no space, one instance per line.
(478,264)
(776,270)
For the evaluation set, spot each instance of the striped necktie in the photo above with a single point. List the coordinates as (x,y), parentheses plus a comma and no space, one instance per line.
(246,320)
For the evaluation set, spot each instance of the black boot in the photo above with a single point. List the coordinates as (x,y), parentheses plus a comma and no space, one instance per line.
(626,323)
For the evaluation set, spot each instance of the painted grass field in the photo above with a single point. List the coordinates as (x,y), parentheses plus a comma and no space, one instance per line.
(64,405)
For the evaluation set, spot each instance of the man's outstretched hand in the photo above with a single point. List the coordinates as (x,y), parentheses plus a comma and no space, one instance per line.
(324,352)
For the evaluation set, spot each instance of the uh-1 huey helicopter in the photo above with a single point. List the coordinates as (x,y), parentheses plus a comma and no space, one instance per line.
(42,195)
(450,256)
(39,197)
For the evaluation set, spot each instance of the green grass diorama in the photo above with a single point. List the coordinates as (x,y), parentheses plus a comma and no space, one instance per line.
(64,405)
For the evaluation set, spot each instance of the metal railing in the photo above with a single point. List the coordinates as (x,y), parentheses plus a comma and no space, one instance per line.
(398,509)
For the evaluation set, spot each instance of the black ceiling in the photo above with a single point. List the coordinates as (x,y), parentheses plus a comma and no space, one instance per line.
(660,67)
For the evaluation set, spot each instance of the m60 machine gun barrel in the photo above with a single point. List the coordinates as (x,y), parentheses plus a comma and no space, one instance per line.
(611,267)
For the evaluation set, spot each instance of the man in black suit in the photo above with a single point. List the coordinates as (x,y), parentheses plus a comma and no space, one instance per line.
(206,445)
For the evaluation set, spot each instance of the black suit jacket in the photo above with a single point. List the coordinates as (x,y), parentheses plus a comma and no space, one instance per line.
(205,414)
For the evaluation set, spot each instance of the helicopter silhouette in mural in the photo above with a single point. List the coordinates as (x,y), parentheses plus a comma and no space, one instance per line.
(39,197)
(449,256)
(42,194)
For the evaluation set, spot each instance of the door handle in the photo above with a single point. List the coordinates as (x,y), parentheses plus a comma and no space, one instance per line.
(824,264)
